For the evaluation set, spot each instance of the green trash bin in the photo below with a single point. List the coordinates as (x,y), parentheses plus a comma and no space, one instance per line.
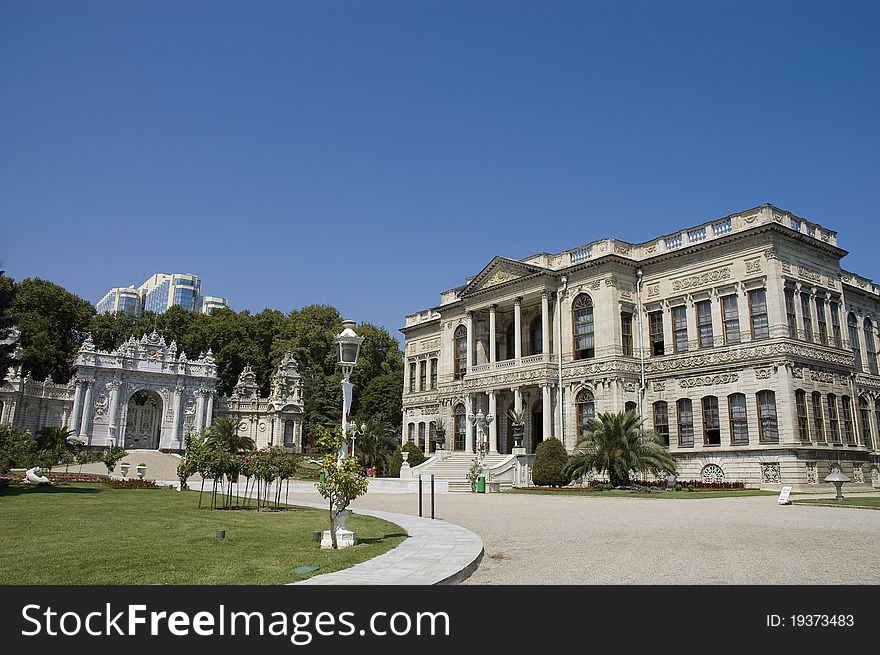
(322,477)
(481,484)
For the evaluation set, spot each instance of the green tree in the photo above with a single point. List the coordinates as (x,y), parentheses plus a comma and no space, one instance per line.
(8,337)
(223,435)
(53,323)
(343,479)
(616,444)
(550,461)
(383,396)
(17,448)
(376,447)
(112,455)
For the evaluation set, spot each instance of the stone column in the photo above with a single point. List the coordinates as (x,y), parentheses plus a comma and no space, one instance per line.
(175,425)
(470,340)
(469,429)
(87,410)
(517,328)
(798,314)
(493,426)
(200,410)
(545,322)
(209,412)
(114,409)
(547,411)
(492,348)
(77,407)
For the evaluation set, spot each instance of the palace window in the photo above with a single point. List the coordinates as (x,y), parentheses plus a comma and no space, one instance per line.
(422,437)
(832,418)
(460,338)
(432,431)
(412,377)
(758,312)
(423,375)
(853,326)
(800,401)
(818,423)
(411,432)
(739,420)
(711,422)
(769,428)
(679,329)
(582,309)
(655,329)
(434,373)
(586,410)
(835,323)
(870,351)
(790,317)
(626,333)
(808,316)
(630,406)
(288,433)
(661,420)
(685,423)
(823,325)
(730,316)
(846,410)
(459,427)
(510,346)
(865,415)
(704,323)
(536,335)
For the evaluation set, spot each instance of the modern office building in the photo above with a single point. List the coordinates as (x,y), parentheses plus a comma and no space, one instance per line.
(160,292)
(741,341)
(120,299)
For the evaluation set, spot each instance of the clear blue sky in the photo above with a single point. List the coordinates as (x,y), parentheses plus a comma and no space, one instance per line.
(371,154)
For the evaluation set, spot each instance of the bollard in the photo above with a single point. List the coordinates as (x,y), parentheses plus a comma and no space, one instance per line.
(221,535)
(432,495)
(420,496)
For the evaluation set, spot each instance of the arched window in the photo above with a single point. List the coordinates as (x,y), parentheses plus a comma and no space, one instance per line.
(582,315)
(432,434)
(767,423)
(459,427)
(865,416)
(536,336)
(661,420)
(870,351)
(411,432)
(853,326)
(630,407)
(460,338)
(586,410)
(739,420)
(685,423)
(818,422)
(711,422)
(800,402)
(846,410)
(422,436)
(288,433)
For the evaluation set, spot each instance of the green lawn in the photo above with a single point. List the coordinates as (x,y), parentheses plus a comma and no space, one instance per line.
(621,493)
(91,534)
(854,501)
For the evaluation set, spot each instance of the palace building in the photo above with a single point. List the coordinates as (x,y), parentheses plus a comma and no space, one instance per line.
(146,395)
(741,341)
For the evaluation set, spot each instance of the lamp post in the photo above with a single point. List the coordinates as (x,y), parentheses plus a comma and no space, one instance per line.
(482,422)
(348,347)
(354,431)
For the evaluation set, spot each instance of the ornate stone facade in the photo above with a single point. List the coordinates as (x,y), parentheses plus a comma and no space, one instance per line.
(145,395)
(741,339)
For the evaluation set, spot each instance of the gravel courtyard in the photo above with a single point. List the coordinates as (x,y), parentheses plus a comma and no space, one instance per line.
(543,539)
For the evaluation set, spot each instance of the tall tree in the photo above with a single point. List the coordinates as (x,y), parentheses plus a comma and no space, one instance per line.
(8,338)
(53,323)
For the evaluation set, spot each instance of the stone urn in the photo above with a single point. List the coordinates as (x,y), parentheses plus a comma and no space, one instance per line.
(518,435)
(440,438)
(405,455)
(123,468)
(142,470)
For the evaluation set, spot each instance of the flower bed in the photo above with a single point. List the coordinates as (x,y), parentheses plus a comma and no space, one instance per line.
(135,483)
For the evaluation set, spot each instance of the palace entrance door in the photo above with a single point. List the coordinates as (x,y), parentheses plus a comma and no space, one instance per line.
(144,420)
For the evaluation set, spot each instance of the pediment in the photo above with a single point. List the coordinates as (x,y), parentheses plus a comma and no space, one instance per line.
(499,271)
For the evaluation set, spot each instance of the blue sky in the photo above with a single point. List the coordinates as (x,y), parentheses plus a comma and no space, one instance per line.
(371,154)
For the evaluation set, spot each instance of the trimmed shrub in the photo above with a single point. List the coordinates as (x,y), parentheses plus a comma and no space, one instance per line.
(550,460)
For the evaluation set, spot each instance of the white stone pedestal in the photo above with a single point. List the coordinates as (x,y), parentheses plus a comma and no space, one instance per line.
(518,451)
(344,538)
(440,454)
(405,471)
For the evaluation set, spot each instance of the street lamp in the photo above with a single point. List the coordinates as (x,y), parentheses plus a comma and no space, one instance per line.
(354,431)
(482,423)
(348,347)
(837,478)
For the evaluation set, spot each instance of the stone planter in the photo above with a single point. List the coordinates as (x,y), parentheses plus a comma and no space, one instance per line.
(440,438)
(142,470)
(123,468)
(517,436)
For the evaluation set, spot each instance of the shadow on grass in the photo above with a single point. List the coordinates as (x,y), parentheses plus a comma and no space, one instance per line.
(56,488)
(377,540)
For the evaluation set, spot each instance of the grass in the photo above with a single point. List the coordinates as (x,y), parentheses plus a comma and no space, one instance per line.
(621,493)
(872,502)
(91,534)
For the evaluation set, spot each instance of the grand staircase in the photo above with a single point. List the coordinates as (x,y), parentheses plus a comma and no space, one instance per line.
(454,469)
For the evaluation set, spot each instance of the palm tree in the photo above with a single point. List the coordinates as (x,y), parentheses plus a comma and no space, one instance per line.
(223,435)
(617,445)
(50,438)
